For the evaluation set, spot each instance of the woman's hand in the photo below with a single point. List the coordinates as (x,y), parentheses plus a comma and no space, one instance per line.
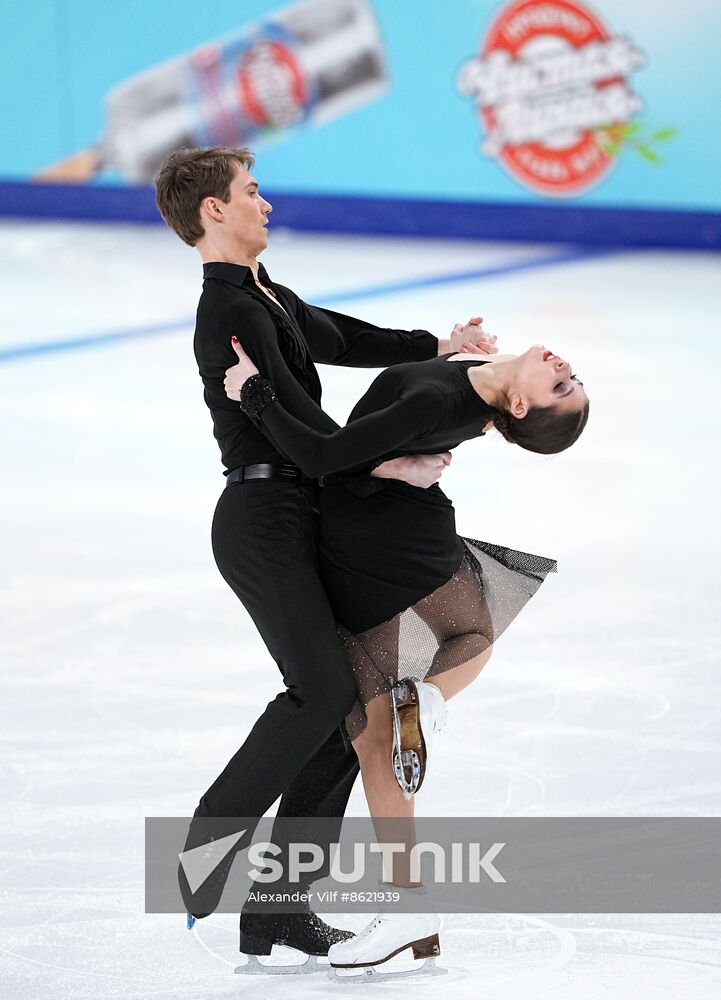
(236,376)
(471,338)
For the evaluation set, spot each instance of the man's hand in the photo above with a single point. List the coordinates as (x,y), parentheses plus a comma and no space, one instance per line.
(468,339)
(416,470)
(237,375)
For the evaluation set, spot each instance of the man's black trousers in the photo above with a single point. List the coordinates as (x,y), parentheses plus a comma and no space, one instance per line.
(265,535)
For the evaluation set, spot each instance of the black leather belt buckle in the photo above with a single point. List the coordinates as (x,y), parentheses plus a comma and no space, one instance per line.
(266,470)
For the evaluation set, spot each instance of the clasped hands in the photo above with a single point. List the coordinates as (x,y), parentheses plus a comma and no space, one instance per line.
(469,338)
(416,470)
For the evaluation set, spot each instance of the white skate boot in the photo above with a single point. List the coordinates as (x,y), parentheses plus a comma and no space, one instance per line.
(418,710)
(388,935)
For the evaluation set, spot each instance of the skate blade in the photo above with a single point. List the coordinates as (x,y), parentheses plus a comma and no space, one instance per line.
(254,967)
(369,973)
(409,756)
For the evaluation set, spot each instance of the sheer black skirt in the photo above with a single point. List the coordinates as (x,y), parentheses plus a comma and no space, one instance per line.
(450,626)
(411,597)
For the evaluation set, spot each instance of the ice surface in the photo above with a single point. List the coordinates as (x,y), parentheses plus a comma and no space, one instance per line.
(130,672)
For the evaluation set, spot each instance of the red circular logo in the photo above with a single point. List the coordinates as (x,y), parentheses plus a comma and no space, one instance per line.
(272,86)
(550,83)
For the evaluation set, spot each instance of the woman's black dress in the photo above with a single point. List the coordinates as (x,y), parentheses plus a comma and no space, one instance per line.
(412,598)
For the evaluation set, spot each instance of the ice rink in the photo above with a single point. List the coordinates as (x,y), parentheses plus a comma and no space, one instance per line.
(131,673)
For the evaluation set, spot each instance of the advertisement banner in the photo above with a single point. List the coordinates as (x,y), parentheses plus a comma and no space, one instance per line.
(548,103)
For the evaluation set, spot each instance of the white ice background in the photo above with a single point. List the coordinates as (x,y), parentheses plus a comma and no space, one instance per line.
(131,673)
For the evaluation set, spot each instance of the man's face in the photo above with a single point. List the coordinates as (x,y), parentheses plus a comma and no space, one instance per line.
(245,214)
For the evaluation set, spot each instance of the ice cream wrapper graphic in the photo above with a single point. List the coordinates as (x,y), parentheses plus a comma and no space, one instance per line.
(302,66)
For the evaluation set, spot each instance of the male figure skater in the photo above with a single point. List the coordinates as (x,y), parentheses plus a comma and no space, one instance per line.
(264,527)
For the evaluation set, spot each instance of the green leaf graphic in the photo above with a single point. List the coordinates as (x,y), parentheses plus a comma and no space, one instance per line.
(648,154)
(635,135)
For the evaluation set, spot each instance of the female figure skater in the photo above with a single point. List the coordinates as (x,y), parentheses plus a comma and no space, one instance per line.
(412,599)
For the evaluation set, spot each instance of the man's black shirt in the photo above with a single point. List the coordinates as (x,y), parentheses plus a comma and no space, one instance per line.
(283,346)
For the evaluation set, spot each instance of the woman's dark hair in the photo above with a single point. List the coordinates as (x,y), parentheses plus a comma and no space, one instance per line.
(542,430)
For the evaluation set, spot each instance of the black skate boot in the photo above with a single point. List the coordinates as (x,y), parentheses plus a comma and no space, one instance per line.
(303,931)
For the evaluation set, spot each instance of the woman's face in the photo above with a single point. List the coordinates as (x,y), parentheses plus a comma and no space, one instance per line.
(544,379)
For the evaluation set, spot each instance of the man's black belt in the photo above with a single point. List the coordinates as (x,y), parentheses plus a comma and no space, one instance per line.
(268,470)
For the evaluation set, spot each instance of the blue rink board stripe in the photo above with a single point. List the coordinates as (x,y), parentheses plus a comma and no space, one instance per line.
(372,291)
(535,221)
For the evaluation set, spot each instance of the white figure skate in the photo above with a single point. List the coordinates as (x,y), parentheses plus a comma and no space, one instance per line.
(386,936)
(418,710)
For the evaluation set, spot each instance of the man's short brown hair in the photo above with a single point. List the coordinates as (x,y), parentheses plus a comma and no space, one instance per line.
(189,175)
